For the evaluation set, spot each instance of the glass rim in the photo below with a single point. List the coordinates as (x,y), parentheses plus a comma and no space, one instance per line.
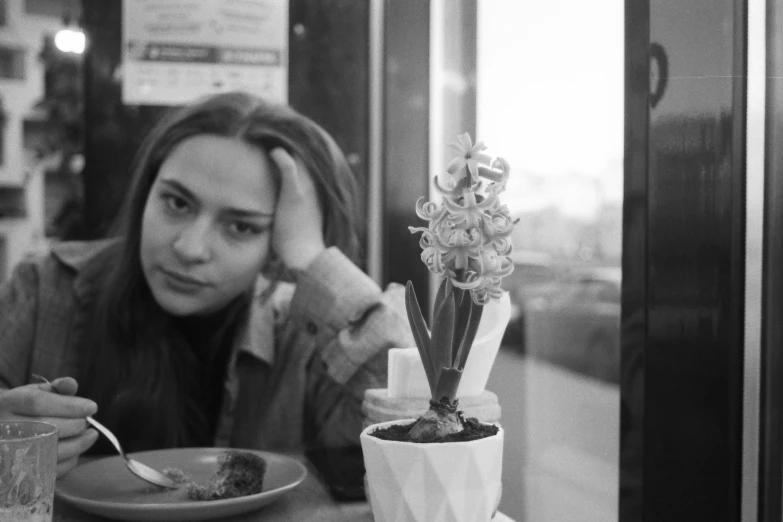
(51,429)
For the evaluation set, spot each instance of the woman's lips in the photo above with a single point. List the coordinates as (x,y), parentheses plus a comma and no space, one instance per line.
(180,281)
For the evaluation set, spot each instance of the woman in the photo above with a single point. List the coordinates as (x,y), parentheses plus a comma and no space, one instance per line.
(226,309)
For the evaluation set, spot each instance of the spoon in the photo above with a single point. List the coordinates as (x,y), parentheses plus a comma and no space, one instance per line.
(137,468)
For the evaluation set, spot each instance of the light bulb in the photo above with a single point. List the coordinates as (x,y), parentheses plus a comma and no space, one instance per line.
(70,40)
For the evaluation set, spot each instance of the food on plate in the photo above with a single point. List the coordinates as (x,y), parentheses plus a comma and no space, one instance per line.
(239,473)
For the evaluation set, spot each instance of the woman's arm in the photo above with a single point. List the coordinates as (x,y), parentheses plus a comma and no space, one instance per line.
(353,324)
(337,308)
(18,311)
(18,400)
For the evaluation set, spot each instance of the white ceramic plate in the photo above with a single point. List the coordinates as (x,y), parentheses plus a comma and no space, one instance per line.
(105,487)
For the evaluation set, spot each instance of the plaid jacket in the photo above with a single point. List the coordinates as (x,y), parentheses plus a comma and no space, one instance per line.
(296,376)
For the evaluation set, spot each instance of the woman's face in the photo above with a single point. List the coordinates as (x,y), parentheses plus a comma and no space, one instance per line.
(207,224)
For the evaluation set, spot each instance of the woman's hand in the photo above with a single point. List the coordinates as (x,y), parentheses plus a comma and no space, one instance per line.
(297,235)
(61,408)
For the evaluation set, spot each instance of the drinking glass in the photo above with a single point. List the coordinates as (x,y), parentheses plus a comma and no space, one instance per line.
(28,468)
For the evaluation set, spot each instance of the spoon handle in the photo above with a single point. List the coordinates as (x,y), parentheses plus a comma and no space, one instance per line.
(109,435)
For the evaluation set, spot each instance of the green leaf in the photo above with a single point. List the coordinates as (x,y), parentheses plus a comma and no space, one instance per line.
(420,333)
(462,303)
(440,295)
(470,334)
(448,384)
(443,329)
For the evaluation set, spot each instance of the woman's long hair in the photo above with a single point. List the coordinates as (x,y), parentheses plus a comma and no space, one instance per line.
(138,365)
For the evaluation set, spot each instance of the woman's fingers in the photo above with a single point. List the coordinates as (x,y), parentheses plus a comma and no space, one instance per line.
(297,236)
(67,427)
(56,404)
(290,185)
(66,466)
(33,401)
(298,194)
(65,386)
(74,446)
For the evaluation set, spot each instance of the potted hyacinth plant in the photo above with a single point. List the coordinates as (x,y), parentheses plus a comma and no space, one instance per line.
(443,466)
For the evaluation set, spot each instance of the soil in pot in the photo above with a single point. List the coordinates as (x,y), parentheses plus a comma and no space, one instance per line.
(473,430)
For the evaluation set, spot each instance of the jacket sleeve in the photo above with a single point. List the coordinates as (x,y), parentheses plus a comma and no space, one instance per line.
(353,324)
(18,311)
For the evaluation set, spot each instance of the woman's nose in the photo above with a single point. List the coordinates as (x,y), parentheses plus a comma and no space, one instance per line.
(191,245)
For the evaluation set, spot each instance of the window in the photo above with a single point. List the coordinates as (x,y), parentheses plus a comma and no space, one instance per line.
(12,63)
(550,100)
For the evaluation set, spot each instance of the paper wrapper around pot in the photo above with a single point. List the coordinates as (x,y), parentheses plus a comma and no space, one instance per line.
(406,372)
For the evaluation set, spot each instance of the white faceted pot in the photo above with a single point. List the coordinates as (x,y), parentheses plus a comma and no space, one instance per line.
(436,482)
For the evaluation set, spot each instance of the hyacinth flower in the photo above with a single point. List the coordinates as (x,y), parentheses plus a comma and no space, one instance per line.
(466,243)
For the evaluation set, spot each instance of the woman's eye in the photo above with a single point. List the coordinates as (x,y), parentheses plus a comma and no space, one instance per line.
(175,203)
(241,229)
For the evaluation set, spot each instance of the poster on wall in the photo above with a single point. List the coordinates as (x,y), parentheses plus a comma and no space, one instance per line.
(176,51)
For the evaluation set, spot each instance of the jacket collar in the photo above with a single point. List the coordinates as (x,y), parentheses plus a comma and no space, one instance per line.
(266,314)
(83,257)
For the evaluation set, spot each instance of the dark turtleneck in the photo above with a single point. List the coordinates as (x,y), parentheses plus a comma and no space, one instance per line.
(210,342)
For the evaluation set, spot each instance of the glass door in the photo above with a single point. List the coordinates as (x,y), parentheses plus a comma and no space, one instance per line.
(622,380)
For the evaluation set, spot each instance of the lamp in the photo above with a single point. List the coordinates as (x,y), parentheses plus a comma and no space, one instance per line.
(70,39)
